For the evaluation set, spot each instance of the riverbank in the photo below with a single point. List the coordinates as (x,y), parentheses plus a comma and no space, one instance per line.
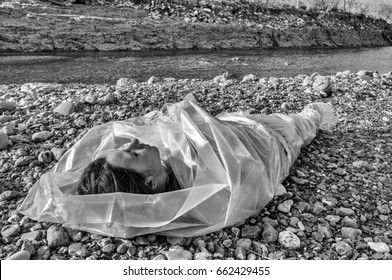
(32,26)
(336,201)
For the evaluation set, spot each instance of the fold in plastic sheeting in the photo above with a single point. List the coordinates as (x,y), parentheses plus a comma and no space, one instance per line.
(229,167)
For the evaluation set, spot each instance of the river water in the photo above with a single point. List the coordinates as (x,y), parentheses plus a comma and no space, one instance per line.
(100,68)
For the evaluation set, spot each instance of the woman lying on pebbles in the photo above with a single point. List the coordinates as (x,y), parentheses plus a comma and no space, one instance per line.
(137,167)
(179,171)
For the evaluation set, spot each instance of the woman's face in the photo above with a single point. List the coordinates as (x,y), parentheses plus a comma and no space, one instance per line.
(141,158)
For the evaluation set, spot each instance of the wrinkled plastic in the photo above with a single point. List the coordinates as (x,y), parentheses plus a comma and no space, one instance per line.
(229,166)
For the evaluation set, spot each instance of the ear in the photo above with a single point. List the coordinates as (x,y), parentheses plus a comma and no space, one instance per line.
(151,182)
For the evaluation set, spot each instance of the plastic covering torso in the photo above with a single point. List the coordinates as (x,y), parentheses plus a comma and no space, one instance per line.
(229,168)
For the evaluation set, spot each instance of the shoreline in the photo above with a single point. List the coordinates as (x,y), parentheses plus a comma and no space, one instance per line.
(339,189)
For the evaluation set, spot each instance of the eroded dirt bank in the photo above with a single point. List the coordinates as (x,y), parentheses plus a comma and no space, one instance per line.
(28,25)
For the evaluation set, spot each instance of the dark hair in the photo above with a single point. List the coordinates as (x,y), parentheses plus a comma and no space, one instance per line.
(101,177)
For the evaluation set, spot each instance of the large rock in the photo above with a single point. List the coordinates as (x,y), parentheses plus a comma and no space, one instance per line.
(323,84)
(57,236)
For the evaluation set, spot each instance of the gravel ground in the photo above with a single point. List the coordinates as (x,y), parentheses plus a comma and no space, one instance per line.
(335,204)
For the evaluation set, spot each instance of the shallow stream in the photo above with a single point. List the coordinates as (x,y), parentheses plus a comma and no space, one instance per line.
(100,67)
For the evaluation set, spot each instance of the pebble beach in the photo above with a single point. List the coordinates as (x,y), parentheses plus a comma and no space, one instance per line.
(335,204)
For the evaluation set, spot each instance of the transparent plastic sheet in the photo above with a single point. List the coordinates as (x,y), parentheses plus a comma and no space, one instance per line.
(229,166)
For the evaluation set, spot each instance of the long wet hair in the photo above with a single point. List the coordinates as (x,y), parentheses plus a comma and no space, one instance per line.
(101,177)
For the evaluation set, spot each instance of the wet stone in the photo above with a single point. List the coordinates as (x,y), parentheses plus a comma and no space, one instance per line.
(289,240)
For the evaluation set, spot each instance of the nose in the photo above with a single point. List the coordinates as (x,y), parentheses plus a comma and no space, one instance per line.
(134,145)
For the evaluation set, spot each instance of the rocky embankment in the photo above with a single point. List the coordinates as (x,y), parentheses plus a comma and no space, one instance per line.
(31,25)
(336,203)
